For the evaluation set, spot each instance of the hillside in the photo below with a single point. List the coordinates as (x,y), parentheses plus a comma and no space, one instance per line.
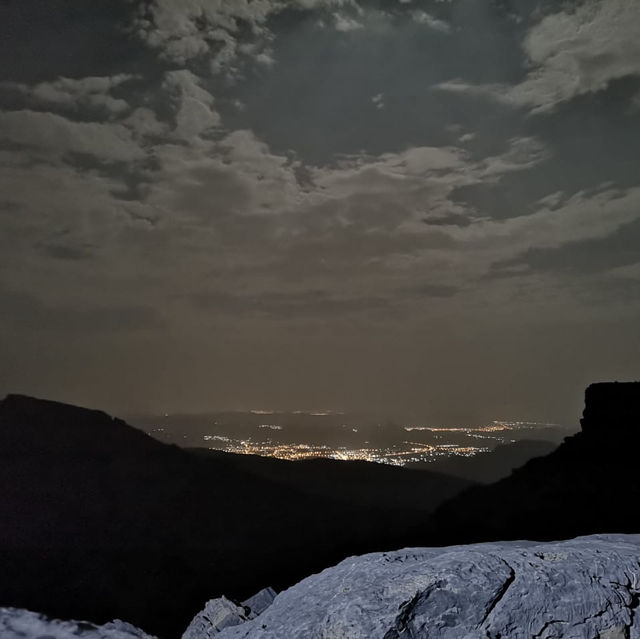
(490,466)
(99,520)
(353,482)
(589,484)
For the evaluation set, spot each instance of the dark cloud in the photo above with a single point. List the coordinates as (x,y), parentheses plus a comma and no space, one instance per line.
(448,219)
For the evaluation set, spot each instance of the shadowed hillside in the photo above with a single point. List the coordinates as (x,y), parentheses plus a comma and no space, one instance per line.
(492,465)
(99,520)
(590,484)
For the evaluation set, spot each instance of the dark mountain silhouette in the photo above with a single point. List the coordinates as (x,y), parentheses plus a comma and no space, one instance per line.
(353,482)
(491,466)
(590,484)
(99,520)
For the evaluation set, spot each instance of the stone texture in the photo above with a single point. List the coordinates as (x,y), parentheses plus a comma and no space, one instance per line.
(222,613)
(587,588)
(23,624)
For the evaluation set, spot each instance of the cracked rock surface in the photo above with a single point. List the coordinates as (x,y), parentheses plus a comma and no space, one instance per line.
(586,588)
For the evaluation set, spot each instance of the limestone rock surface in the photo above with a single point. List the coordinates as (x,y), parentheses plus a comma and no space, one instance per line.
(586,588)
(24,624)
(222,613)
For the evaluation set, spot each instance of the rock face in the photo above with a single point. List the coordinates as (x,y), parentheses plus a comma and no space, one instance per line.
(589,484)
(587,588)
(23,624)
(221,613)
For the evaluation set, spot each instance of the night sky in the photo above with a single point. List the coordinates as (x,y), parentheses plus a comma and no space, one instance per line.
(425,208)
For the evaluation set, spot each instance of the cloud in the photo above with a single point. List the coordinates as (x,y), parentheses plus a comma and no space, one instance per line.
(182,30)
(617,253)
(570,53)
(422,17)
(378,100)
(55,136)
(237,174)
(195,114)
(57,212)
(448,219)
(346,23)
(144,123)
(185,29)
(580,218)
(72,93)
(580,52)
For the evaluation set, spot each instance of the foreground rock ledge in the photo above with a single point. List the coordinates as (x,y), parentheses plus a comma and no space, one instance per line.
(587,588)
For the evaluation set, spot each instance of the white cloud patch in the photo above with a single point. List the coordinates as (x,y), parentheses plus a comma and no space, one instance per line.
(182,30)
(185,29)
(580,52)
(378,100)
(571,54)
(346,23)
(195,114)
(422,17)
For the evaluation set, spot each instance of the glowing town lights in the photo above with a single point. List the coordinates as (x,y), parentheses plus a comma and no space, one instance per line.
(408,452)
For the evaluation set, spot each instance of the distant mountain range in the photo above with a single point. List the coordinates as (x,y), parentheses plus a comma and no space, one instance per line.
(98,520)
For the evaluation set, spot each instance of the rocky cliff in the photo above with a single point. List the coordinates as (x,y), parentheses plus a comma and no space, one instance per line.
(587,588)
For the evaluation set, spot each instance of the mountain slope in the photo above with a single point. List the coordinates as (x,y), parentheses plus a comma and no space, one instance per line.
(99,520)
(359,482)
(490,466)
(590,484)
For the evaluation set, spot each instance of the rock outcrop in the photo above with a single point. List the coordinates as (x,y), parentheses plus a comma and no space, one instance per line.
(589,484)
(23,624)
(222,613)
(586,588)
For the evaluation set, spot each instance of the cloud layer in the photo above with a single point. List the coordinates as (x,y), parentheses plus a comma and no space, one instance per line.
(416,183)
